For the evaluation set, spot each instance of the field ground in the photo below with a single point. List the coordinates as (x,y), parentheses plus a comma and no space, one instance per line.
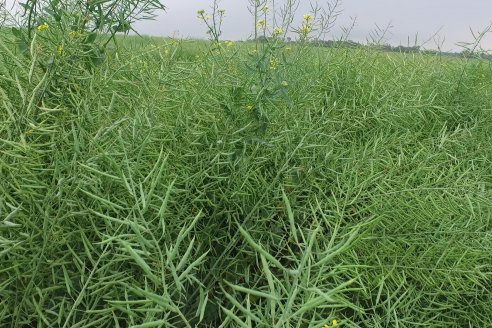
(158,191)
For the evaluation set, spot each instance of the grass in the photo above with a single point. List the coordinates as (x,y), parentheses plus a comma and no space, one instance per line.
(142,193)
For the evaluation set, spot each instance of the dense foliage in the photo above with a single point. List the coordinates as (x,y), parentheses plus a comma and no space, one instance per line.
(176,184)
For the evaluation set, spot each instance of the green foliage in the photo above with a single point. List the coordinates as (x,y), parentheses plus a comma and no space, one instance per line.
(61,35)
(144,191)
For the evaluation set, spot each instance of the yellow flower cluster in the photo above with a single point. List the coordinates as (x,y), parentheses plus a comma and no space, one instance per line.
(201,14)
(261,24)
(334,324)
(278,31)
(43,27)
(307,25)
(228,44)
(274,62)
(308,18)
(305,29)
(75,34)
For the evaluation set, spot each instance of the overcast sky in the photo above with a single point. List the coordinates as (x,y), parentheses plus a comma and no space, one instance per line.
(409,18)
(453,18)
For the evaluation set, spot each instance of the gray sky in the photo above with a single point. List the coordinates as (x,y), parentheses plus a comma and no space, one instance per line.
(452,18)
(409,18)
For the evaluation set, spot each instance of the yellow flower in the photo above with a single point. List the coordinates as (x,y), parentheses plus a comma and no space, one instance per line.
(305,29)
(285,83)
(261,24)
(277,31)
(308,18)
(334,324)
(229,44)
(265,9)
(60,50)
(249,107)
(200,12)
(75,34)
(43,26)
(274,63)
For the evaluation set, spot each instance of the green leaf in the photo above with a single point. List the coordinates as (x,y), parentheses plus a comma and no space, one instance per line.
(123,26)
(16,32)
(90,38)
